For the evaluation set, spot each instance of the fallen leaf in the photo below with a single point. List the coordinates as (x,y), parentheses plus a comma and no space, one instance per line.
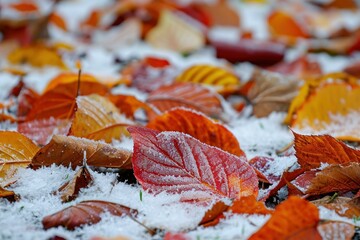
(37,56)
(259,52)
(98,119)
(343,206)
(220,13)
(64,78)
(295,218)
(129,105)
(16,151)
(27,97)
(86,212)
(9,195)
(178,163)
(335,178)
(262,165)
(70,190)
(271,93)
(188,95)
(60,102)
(41,131)
(221,79)
(176,236)
(173,33)
(249,205)
(70,151)
(25,7)
(353,69)
(211,216)
(328,106)
(336,230)
(312,151)
(58,21)
(282,24)
(198,126)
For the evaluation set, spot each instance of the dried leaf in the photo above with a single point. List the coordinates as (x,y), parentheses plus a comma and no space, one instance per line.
(294,218)
(25,7)
(98,119)
(37,56)
(343,206)
(41,131)
(64,78)
(178,163)
(188,95)
(311,151)
(271,92)
(27,97)
(9,195)
(16,151)
(336,230)
(329,106)
(353,69)
(198,126)
(220,13)
(219,78)
(261,166)
(86,212)
(336,178)
(259,52)
(249,205)
(70,190)
(211,217)
(60,102)
(58,21)
(173,33)
(66,151)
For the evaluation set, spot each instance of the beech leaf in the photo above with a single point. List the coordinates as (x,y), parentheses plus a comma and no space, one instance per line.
(198,126)
(86,212)
(178,163)
(66,151)
(311,151)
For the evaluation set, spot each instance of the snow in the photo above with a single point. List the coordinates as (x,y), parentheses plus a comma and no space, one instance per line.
(257,137)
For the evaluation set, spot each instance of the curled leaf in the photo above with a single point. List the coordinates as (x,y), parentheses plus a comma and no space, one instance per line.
(86,212)
(69,151)
(178,163)
(191,122)
(70,190)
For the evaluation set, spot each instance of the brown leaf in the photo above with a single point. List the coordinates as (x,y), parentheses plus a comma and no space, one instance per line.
(271,92)
(70,190)
(334,178)
(98,119)
(295,218)
(336,230)
(187,95)
(16,151)
(66,151)
(86,212)
(198,126)
(311,151)
(9,195)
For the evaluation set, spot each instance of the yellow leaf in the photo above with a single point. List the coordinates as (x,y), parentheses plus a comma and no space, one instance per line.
(37,56)
(16,151)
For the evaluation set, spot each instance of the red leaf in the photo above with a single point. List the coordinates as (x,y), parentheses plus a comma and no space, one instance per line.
(261,166)
(178,163)
(86,212)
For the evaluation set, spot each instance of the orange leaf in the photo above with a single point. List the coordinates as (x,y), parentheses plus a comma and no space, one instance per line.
(178,163)
(294,218)
(97,118)
(311,151)
(187,95)
(69,78)
(93,20)
(212,216)
(336,230)
(345,207)
(221,13)
(70,190)
(58,21)
(9,195)
(25,7)
(60,102)
(217,77)
(66,151)
(128,104)
(86,212)
(190,122)
(283,24)
(249,205)
(16,151)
